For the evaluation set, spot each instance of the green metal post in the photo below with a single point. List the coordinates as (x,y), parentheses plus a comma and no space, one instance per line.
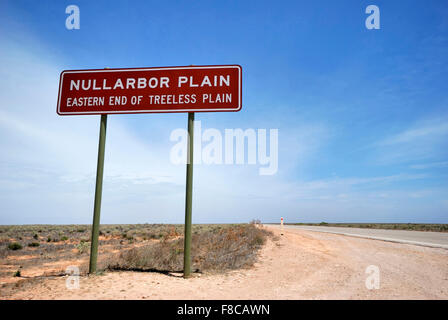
(188,197)
(98,193)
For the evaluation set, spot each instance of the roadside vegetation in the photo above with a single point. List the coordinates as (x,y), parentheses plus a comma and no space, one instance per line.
(49,249)
(392,226)
(214,249)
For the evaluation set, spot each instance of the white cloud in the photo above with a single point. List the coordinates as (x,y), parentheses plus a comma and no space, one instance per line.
(425,140)
(427,131)
(430,165)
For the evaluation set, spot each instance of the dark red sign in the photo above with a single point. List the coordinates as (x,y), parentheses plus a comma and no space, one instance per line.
(147,90)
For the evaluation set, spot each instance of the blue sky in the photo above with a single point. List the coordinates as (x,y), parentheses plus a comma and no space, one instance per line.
(362,114)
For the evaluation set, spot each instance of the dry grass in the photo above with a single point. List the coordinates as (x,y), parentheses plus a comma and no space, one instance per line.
(214,249)
(46,250)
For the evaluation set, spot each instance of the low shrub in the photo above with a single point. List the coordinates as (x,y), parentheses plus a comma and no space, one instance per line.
(33,244)
(82,247)
(14,246)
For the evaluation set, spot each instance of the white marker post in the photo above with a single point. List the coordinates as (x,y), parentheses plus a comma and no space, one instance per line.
(281,225)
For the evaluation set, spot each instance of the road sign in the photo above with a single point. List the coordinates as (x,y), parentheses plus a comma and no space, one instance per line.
(150,90)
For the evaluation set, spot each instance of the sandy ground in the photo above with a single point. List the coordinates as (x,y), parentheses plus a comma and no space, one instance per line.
(299,265)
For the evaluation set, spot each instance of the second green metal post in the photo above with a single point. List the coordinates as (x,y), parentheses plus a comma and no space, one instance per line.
(188,197)
(98,193)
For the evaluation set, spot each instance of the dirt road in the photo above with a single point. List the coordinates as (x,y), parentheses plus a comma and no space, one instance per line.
(299,264)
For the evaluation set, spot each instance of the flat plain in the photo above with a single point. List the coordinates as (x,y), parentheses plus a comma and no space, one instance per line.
(282,264)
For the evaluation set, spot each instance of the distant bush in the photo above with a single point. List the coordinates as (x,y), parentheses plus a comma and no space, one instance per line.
(14,246)
(82,247)
(258,240)
(64,238)
(17,273)
(35,236)
(33,244)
